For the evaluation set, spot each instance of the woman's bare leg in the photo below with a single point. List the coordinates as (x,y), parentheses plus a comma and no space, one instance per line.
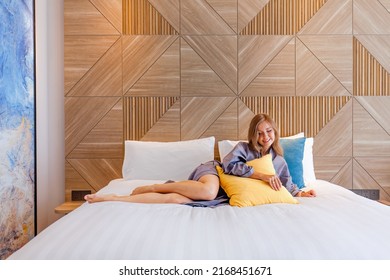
(139,198)
(205,189)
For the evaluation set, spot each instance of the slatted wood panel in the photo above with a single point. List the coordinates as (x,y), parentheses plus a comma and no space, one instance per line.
(140,17)
(297,114)
(283,17)
(371,78)
(171,70)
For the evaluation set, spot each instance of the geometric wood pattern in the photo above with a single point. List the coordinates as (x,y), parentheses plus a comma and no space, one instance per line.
(104,78)
(141,18)
(313,77)
(283,17)
(369,136)
(370,17)
(81,54)
(111,10)
(220,53)
(142,113)
(255,53)
(174,70)
(193,13)
(372,79)
(335,17)
(163,77)
(139,53)
(297,114)
(82,17)
(281,68)
(247,10)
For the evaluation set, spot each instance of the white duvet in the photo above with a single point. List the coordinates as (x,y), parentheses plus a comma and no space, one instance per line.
(337,224)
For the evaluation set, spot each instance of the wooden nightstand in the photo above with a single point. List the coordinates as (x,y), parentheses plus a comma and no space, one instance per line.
(67,207)
(384,202)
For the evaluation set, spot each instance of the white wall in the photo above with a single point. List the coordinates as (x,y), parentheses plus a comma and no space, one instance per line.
(50,109)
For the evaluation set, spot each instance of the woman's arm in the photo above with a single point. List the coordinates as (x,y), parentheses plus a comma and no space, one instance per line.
(234,163)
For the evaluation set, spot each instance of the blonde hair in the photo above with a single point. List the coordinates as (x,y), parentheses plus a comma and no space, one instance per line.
(253,134)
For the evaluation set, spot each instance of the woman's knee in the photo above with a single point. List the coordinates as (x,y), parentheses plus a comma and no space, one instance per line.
(210,187)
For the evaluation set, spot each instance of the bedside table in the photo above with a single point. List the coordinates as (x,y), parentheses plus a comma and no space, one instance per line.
(67,207)
(384,202)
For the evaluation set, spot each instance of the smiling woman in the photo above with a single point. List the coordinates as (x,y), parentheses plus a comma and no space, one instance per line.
(17,125)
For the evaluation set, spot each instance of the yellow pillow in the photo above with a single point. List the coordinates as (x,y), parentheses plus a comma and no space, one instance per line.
(244,191)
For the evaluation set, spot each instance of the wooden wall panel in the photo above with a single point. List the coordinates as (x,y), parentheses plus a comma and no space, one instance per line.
(172,70)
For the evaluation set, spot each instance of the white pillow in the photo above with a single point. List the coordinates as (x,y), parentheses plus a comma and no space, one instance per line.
(308,162)
(165,160)
(225,146)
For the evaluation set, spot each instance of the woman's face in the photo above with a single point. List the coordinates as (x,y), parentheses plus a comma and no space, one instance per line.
(266,135)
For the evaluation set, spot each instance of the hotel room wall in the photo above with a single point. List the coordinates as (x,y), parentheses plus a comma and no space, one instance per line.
(50,109)
(182,69)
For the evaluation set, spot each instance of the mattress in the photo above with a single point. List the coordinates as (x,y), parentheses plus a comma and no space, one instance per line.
(335,225)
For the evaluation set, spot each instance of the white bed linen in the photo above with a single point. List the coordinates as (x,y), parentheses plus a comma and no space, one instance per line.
(337,224)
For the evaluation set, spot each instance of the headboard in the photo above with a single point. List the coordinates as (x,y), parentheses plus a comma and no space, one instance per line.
(185,69)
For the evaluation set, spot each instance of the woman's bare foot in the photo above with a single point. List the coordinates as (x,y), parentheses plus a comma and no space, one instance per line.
(91,198)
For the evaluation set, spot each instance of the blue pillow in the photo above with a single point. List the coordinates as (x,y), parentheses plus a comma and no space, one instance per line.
(293,154)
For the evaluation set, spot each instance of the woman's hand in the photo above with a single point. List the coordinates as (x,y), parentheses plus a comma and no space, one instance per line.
(310,193)
(272,180)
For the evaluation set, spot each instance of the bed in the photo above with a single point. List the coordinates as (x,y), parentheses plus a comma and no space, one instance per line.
(337,224)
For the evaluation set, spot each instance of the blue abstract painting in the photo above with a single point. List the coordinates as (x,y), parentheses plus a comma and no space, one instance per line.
(17,125)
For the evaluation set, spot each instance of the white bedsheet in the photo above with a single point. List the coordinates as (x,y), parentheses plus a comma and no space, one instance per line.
(337,224)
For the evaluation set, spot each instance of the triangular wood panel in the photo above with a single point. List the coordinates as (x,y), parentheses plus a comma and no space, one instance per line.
(225,126)
(90,111)
(167,128)
(81,53)
(82,18)
(369,138)
(203,109)
(98,172)
(335,53)
(197,78)
(344,176)
(105,140)
(378,47)
(140,17)
(112,10)
(313,78)
(370,17)
(278,77)
(335,17)
(371,78)
(247,10)
(297,114)
(227,9)
(335,139)
(139,54)
(163,77)
(245,116)
(328,168)
(378,108)
(255,53)
(220,53)
(104,78)
(170,10)
(386,4)
(73,180)
(283,17)
(142,113)
(362,179)
(199,18)
(378,168)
